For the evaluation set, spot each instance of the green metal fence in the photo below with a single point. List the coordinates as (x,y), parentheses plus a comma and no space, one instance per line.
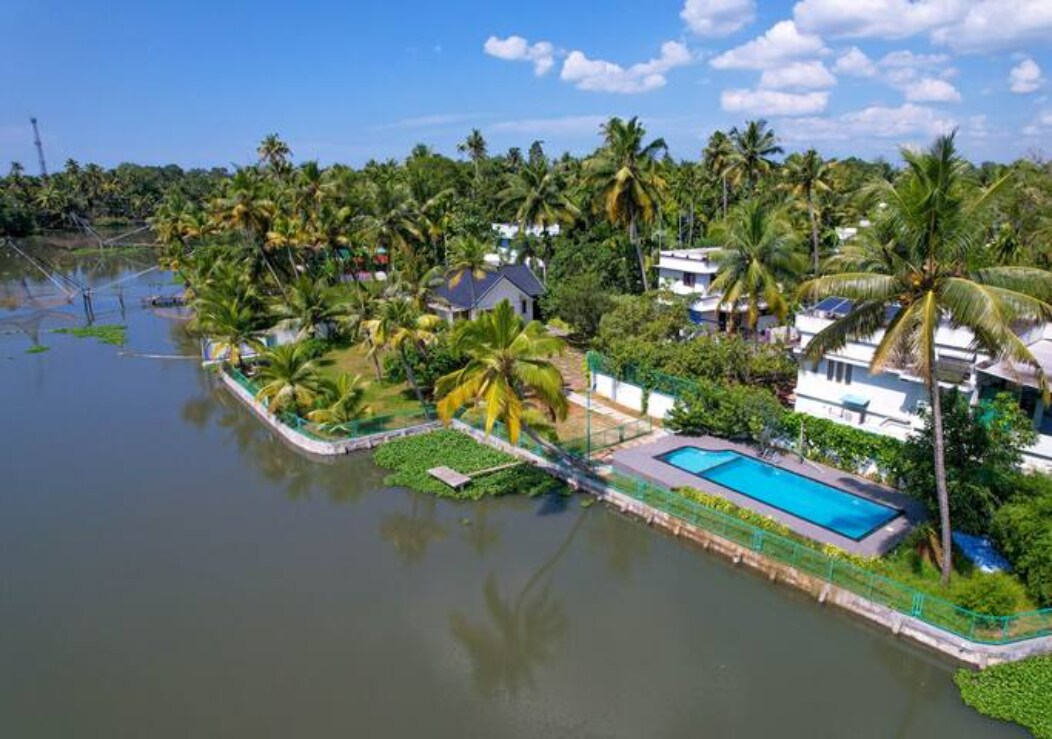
(651,380)
(605,438)
(873,586)
(365,426)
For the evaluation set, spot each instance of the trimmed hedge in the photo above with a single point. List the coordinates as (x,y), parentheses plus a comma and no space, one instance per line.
(1015,691)
(844,447)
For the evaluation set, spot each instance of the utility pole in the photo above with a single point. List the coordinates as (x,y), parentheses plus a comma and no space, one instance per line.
(40,148)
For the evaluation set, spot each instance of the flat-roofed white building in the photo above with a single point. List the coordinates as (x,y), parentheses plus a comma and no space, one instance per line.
(690,272)
(840,386)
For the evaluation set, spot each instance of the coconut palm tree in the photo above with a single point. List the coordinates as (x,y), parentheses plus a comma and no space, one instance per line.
(246,205)
(290,378)
(391,220)
(475,147)
(346,403)
(230,322)
(312,302)
(273,152)
(508,370)
(467,258)
(936,219)
(397,326)
(538,193)
(805,176)
(753,148)
(758,257)
(626,178)
(717,158)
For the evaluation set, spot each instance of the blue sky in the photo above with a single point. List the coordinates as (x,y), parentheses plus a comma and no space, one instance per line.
(199,83)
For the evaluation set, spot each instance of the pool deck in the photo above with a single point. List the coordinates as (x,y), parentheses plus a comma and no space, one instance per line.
(642,462)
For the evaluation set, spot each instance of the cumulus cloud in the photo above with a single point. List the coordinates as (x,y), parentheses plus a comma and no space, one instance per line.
(931,90)
(889,19)
(908,121)
(1025,77)
(781,43)
(518,49)
(854,62)
(906,59)
(1041,125)
(773,102)
(598,75)
(963,25)
(798,76)
(998,24)
(717,17)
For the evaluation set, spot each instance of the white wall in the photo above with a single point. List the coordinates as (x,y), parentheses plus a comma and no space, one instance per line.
(631,396)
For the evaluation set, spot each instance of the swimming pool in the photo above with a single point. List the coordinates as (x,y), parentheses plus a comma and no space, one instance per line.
(839,511)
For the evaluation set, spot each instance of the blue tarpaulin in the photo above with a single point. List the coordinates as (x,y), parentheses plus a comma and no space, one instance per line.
(981,552)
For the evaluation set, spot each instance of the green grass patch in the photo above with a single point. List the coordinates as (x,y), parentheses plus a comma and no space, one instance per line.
(1015,691)
(38,349)
(107,333)
(410,458)
(381,396)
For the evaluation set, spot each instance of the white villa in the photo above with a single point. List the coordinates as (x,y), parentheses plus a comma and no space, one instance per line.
(841,388)
(690,272)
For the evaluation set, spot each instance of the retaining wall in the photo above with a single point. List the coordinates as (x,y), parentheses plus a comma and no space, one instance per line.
(318,446)
(631,396)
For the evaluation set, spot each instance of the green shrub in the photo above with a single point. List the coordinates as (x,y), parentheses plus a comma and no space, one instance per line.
(723,505)
(728,411)
(1015,691)
(994,594)
(843,446)
(1022,529)
(411,457)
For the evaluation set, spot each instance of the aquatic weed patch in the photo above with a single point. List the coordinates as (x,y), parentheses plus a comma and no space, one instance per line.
(411,457)
(1015,691)
(108,333)
(38,349)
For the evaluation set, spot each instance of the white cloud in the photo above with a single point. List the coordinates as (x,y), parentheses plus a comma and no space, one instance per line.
(855,63)
(566,126)
(906,59)
(518,49)
(905,122)
(1040,125)
(998,24)
(1026,77)
(977,127)
(931,90)
(889,19)
(717,17)
(598,75)
(773,102)
(798,76)
(781,43)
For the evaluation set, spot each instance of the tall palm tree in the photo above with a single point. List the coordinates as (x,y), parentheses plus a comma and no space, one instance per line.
(312,302)
(230,321)
(508,370)
(274,152)
(626,177)
(717,157)
(936,220)
(391,220)
(467,258)
(290,378)
(753,148)
(398,325)
(246,205)
(475,147)
(758,257)
(805,176)
(538,193)
(345,404)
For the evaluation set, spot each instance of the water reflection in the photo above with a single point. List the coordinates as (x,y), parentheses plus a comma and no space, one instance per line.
(412,534)
(623,544)
(517,635)
(480,533)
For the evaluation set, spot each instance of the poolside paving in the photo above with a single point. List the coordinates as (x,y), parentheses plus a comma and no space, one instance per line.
(642,461)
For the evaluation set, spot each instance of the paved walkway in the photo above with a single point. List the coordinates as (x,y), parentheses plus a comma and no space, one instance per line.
(597,407)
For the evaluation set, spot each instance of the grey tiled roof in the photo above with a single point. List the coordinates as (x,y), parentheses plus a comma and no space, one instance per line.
(518,274)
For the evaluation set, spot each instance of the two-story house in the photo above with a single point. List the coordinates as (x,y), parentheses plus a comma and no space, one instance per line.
(841,387)
(690,272)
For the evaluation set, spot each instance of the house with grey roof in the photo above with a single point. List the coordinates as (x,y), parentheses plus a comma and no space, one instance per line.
(471,296)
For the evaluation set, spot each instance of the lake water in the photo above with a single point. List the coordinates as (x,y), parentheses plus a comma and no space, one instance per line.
(167,569)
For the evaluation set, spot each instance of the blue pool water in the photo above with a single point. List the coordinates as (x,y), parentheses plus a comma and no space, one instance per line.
(823,505)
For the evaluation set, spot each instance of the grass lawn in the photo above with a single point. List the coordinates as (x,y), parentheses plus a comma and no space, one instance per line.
(382,396)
